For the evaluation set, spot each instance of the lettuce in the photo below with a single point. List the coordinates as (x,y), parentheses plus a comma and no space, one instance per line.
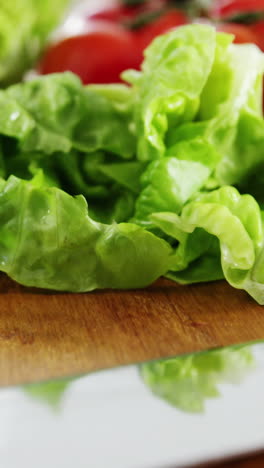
(50,393)
(25,26)
(115,185)
(226,123)
(186,382)
(168,184)
(48,240)
(174,94)
(78,136)
(234,220)
(56,113)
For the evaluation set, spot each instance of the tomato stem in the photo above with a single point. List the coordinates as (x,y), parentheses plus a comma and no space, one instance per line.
(145,18)
(246,18)
(133,2)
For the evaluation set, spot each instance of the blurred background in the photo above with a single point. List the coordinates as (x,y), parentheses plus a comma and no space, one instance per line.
(97,40)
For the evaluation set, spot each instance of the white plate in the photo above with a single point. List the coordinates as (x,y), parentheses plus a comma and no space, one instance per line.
(111,420)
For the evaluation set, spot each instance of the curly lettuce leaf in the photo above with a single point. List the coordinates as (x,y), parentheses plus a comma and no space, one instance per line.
(198,258)
(235,221)
(229,125)
(24,29)
(167,184)
(80,137)
(204,268)
(238,128)
(190,123)
(111,197)
(109,187)
(48,240)
(56,113)
(221,142)
(167,91)
(186,382)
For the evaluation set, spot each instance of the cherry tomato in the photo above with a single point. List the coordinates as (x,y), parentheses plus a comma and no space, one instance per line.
(98,56)
(258,29)
(164,23)
(229,8)
(243,34)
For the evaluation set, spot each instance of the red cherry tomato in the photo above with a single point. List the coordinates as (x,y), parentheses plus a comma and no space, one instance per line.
(98,56)
(164,23)
(258,29)
(243,34)
(229,8)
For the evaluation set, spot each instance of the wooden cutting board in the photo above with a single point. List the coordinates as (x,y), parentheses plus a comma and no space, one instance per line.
(46,334)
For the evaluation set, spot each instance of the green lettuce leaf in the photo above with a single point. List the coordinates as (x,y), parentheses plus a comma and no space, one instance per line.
(24,29)
(50,393)
(56,113)
(229,126)
(166,154)
(118,208)
(167,91)
(167,184)
(238,128)
(48,240)
(186,382)
(80,137)
(222,141)
(235,221)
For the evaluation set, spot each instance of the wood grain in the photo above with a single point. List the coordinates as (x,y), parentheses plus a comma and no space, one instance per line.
(45,335)
(254,460)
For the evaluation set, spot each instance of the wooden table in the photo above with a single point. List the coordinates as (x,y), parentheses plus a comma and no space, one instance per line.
(46,334)
(253,461)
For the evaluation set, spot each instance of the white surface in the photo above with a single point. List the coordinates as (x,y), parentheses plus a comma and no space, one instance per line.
(111,420)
